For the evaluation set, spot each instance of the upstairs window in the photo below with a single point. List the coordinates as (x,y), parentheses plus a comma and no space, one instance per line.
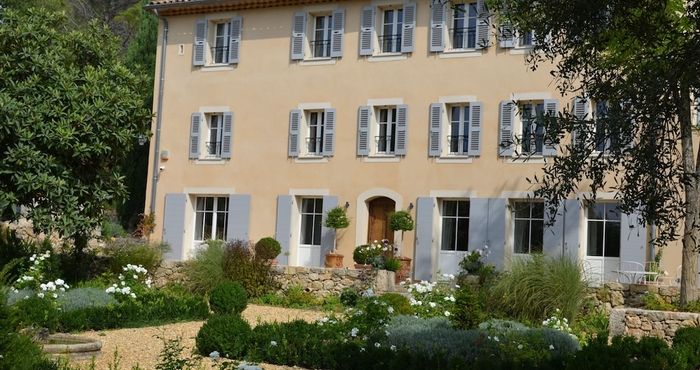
(598,135)
(387,29)
(392,29)
(455,129)
(217,42)
(316,127)
(463,30)
(461,27)
(387,125)
(211,135)
(522,130)
(318,35)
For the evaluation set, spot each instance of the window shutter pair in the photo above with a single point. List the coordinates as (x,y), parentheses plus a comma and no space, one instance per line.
(197,121)
(506,124)
(474,127)
(363,130)
(438,25)
(295,122)
(299,34)
(367,29)
(200,41)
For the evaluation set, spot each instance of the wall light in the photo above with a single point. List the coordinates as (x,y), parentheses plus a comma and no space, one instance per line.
(347,204)
(410,206)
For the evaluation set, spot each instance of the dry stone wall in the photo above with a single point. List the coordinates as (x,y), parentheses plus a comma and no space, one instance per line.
(646,323)
(612,295)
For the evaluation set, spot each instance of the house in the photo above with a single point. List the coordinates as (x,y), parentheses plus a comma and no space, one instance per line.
(274,112)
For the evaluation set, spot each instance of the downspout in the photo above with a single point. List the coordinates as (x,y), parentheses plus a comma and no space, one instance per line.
(159,114)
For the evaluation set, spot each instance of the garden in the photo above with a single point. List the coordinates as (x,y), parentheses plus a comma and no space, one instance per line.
(537,315)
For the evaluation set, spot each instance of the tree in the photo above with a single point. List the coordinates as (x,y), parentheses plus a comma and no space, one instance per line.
(69,111)
(641,58)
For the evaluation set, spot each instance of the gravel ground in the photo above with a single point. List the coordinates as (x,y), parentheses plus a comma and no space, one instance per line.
(141,346)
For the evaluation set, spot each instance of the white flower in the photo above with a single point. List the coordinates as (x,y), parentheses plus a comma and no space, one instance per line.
(447,313)
(362,349)
(135,276)
(393,347)
(273,343)
(390,309)
(520,346)
(432,304)
(354,331)
(40,295)
(133,295)
(214,355)
(376,344)
(495,338)
(551,346)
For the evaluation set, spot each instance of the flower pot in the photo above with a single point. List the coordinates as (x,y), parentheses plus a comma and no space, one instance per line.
(405,271)
(273,262)
(334,260)
(362,267)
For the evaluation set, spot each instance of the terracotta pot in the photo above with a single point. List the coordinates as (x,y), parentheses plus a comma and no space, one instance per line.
(273,262)
(405,271)
(334,260)
(362,267)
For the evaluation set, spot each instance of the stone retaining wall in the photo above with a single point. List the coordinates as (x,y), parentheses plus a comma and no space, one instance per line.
(612,295)
(660,324)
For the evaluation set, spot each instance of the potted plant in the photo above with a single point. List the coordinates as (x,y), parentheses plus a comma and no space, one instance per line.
(335,219)
(268,249)
(401,221)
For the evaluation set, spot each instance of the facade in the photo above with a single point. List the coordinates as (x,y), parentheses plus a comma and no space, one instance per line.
(274,112)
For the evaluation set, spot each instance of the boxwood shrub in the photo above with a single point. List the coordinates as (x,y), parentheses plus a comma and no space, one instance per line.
(227,334)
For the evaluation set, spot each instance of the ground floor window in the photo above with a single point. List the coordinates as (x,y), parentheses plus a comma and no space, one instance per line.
(455,225)
(311,218)
(528,230)
(603,221)
(211,218)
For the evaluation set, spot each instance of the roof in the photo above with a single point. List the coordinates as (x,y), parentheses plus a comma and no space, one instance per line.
(182,7)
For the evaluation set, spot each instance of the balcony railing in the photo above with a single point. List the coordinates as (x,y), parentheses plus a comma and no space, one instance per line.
(385,144)
(314,145)
(390,43)
(220,54)
(458,144)
(214,149)
(321,48)
(463,38)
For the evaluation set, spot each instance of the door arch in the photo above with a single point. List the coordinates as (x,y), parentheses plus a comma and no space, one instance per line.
(378,226)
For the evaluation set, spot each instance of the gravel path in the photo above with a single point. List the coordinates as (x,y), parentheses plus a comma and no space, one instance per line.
(141,346)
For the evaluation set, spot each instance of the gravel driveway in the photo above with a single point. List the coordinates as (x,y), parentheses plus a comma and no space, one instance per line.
(141,346)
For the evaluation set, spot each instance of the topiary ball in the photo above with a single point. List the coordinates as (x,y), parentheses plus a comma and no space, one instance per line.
(228,298)
(400,304)
(227,334)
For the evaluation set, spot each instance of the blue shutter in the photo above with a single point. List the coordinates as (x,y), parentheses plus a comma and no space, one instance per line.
(483,26)
(363,119)
(506,36)
(435,136)
(475,128)
(174,226)
(581,109)
(401,129)
(553,241)
(633,243)
(195,127)
(478,223)
(487,227)
(238,217)
(409,27)
(367,31)
(437,26)
(423,255)
(294,132)
(227,137)
(551,107)
(234,47)
(338,33)
(200,43)
(505,127)
(298,35)
(327,234)
(572,219)
(329,132)
(283,227)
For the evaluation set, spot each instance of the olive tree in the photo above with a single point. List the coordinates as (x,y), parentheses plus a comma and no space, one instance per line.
(69,111)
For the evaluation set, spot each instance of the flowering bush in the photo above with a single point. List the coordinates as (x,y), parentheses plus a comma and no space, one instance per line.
(130,282)
(475,261)
(366,253)
(432,299)
(32,279)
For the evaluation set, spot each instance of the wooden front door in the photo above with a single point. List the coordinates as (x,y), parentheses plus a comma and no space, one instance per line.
(379,210)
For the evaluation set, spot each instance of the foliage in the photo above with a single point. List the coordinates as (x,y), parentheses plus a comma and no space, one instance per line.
(336,218)
(240,265)
(392,264)
(206,268)
(400,220)
(473,262)
(296,297)
(13,247)
(36,311)
(534,288)
(135,251)
(653,301)
(399,303)
(69,110)
(171,358)
(228,298)
(625,353)
(366,253)
(693,306)
(686,342)
(110,230)
(132,283)
(227,334)
(349,297)
(432,299)
(591,324)
(79,298)
(267,248)
(35,280)
(468,309)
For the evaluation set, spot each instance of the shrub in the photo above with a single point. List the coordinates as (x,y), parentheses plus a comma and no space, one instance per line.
(364,254)
(294,343)
(227,334)
(240,265)
(535,287)
(349,297)
(468,309)
(112,230)
(35,311)
(78,298)
(653,301)
(400,220)
(228,298)
(392,264)
(267,248)
(693,306)
(133,251)
(206,269)
(432,299)
(296,297)
(13,247)
(624,353)
(686,342)
(399,303)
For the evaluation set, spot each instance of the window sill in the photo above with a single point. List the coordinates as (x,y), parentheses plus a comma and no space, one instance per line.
(317,62)
(387,57)
(311,159)
(210,161)
(382,159)
(455,159)
(536,159)
(522,50)
(460,53)
(218,67)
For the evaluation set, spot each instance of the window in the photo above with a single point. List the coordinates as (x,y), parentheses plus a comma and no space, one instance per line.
(511,37)
(528,230)
(217,42)
(323,34)
(216,137)
(317,128)
(311,220)
(597,132)
(461,135)
(388,130)
(466,27)
(455,225)
(463,30)
(526,39)
(604,221)
(211,218)
(392,28)
(526,133)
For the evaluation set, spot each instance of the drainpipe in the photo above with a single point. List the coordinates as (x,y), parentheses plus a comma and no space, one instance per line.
(159,114)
